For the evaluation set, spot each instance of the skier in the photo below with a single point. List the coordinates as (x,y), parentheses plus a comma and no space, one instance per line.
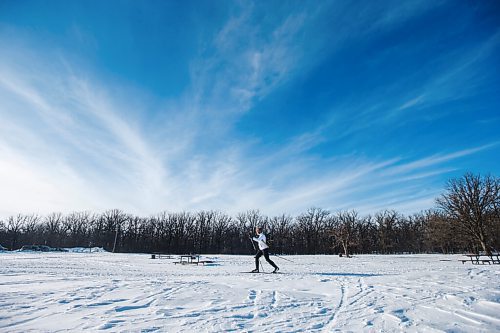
(263,250)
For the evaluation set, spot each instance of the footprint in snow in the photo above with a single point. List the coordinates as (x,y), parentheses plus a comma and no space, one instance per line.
(252,294)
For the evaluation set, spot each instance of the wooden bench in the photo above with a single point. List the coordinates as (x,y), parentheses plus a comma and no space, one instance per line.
(160,255)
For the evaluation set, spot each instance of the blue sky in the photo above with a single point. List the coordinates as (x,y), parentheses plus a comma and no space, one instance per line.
(280,106)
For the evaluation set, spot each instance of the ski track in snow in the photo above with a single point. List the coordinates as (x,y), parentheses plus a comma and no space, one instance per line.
(103,292)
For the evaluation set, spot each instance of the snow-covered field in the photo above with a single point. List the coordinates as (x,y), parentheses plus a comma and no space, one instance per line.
(49,292)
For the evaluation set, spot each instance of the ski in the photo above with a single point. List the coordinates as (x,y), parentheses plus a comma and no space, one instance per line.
(261,273)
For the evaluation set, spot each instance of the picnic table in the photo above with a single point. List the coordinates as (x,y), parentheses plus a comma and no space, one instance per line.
(482,259)
(192,259)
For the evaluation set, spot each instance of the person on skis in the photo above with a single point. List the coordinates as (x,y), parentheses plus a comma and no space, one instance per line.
(263,250)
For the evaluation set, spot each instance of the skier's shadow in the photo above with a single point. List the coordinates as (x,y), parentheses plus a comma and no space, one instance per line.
(349,274)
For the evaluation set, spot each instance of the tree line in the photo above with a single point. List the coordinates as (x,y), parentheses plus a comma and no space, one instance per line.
(466,218)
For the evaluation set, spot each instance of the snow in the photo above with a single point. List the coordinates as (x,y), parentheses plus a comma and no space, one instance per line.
(44,248)
(84,249)
(50,292)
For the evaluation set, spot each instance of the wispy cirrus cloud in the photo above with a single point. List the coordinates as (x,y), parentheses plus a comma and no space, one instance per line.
(461,77)
(437,159)
(85,154)
(245,63)
(66,130)
(74,139)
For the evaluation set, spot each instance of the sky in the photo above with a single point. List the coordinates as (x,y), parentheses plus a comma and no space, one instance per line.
(151,106)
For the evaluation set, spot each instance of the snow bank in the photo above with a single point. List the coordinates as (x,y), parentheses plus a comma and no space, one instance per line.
(40,248)
(44,248)
(48,292)
(85,249)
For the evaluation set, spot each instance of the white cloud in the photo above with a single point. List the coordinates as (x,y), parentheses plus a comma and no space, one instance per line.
(411,103)
(434,160)
(79,144)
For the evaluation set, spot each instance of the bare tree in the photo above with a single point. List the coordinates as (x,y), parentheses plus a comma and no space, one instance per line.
(220,224)
(440,235)
(387,223)
(52,224)
(281,229)
(31,228)
(470,201)
(14,229)
(203,224)
(76,226)
(365,236)
(311,226)
(113,220)
(344,229)
(251,219)
(3,231)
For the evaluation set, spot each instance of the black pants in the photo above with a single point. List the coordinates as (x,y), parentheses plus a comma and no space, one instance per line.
(259,254)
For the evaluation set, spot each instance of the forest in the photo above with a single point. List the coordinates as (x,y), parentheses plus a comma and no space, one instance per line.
(466,218)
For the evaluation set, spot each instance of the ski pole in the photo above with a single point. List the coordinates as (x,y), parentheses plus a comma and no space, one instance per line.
(251,240)
(283,258)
